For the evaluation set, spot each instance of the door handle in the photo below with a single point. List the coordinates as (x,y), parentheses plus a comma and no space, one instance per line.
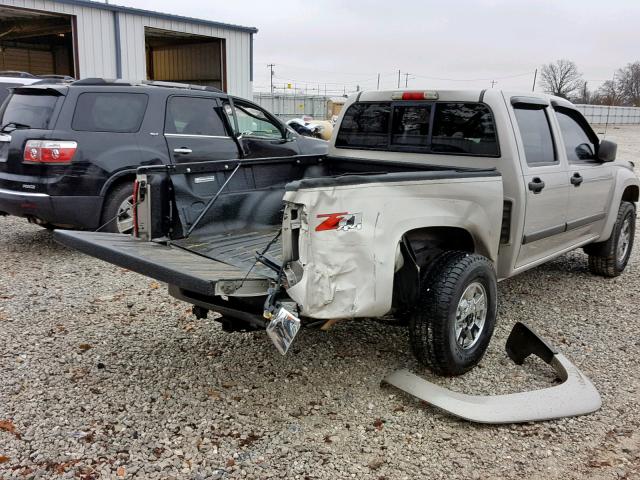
(577,179)
(182,150)
(536,185)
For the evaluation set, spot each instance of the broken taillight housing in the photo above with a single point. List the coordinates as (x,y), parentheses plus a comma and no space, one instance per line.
(49,151)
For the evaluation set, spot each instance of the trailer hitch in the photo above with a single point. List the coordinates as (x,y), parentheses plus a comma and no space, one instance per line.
(576,395)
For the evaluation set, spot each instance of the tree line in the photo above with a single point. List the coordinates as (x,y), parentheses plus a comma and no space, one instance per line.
(562,78)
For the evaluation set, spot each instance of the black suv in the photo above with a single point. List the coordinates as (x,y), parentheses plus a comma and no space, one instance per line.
(69,152)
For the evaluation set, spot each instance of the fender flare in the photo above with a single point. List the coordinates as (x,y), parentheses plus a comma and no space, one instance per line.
(612,214)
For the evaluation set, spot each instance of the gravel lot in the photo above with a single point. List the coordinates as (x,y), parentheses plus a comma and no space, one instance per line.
(103,375)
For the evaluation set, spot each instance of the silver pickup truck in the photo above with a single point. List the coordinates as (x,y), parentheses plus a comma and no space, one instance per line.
(425,200)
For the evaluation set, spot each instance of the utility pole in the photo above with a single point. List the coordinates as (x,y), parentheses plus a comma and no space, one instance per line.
(493,82)
(398,78)
(535,75)
(406,80)
(378,82)
(270,67)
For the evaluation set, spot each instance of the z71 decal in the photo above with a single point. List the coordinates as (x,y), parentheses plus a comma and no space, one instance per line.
(340,221)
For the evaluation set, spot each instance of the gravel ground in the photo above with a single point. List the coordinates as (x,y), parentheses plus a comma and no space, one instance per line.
(103,375)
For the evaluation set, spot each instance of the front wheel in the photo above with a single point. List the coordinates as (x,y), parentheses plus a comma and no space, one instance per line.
(610,258)
(452,325)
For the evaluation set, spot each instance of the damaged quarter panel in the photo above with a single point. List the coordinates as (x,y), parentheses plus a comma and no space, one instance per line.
(348,234)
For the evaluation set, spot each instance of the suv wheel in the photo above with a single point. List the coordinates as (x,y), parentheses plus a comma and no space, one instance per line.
(610,258)
(117,214)
(453,323)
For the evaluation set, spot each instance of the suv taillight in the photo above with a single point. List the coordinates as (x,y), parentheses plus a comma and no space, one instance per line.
(49,151)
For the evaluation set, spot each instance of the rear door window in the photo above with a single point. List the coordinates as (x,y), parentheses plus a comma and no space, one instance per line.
(32,110)
(109,112)
(194,116)
(365,125)
(427,127)
(535,132)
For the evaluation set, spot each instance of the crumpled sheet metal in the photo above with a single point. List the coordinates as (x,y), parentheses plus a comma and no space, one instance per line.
(575,396)
(349,273)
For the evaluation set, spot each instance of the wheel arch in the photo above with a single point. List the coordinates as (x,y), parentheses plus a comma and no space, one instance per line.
(631,194)
(417,251)
(434,239)
(116,180)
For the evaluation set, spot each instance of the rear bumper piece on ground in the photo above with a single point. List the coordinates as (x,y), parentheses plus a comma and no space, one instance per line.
(77,211)
(576,395)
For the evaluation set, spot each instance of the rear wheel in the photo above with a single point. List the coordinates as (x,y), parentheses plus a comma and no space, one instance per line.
(117,214)
(610,258)
(453,323)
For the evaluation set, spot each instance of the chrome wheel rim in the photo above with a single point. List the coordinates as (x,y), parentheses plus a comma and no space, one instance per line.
(471,315)
(624,239)
(124,220)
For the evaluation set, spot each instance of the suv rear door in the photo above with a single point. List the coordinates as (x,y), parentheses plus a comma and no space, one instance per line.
(195,130)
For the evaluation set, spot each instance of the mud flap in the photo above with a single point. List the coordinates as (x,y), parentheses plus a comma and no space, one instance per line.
(576,395)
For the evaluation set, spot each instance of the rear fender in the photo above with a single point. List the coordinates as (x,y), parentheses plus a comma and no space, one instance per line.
(349,237)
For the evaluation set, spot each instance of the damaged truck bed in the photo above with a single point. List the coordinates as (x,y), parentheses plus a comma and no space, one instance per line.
(238,247)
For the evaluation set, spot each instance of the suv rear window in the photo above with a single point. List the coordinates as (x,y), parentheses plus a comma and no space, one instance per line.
(32,110)
(454,127)
(109,112)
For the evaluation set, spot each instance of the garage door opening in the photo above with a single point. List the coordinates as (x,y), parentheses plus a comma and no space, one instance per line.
(185,58)
(36,42)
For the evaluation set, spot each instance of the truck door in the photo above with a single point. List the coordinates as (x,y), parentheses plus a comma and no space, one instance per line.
(545,182)
(259,133)
(195,131)
(590,181)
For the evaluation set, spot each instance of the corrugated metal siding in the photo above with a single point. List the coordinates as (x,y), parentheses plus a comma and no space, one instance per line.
(237,48)
(294,106)
(96,42)
(602,114)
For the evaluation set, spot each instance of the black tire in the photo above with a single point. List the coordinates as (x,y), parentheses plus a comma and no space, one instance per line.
(112,204)
(432,326)
(606,258)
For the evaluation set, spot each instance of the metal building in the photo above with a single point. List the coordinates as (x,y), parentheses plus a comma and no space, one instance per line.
(83,39)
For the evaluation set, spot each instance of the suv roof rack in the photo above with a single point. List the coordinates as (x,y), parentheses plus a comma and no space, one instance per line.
(102,81)
(187,86)
(66,78)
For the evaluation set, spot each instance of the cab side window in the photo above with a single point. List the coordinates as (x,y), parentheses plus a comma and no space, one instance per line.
(536,136)
(577,142)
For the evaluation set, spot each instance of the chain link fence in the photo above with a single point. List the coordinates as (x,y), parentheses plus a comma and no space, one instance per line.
(603,114)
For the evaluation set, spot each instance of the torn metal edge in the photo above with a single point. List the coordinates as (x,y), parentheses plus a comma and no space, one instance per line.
(576,395)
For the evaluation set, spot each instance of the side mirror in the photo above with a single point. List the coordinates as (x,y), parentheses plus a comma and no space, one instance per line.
(607,151)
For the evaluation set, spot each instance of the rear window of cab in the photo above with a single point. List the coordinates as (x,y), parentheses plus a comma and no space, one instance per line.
(457,128)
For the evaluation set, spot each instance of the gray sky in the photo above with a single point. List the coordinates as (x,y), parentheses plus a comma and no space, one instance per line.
(345,44)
